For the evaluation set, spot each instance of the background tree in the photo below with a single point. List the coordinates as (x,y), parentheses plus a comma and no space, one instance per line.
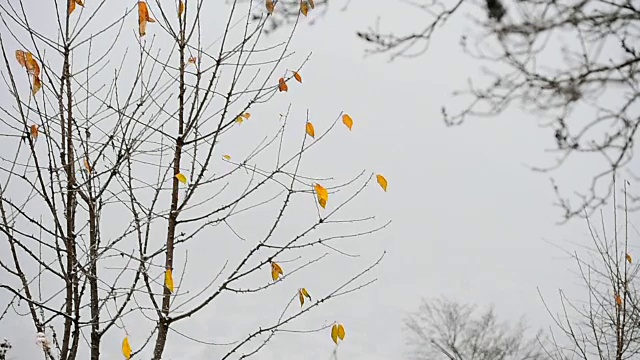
(131,202)
(572,63)
(445,329)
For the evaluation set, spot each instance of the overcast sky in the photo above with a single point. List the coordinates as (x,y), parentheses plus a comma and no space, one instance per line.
(470,221)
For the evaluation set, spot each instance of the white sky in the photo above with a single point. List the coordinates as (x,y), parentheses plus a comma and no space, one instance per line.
(470,220)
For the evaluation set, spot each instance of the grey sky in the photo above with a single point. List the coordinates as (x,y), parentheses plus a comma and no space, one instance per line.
(469,218)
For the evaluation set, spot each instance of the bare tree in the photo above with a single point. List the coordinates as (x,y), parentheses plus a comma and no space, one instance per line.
(445,329)
(114,171)
(605,322)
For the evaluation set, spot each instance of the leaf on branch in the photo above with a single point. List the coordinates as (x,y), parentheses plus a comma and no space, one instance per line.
(126,348)
(72,5)
(270,6)
(334,333)
(239,119)
(247,116)
(227,157)
(310,130)
(87,165)
(618,300)
(323,195)
(282,85)
(243,117)
(26,60)
(382,181)
(341,332)
(347,121)
(33,131)
(276,271)
(143,17)
(192,60)
(312,4)
(168,280)
(304,7)
(181,178)
(628,257)
(180,8)
(302,293)
(37,85)
(297,76)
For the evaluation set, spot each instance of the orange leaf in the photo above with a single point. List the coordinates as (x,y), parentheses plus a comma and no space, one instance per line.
(618,300)
(382,181)
(347,120)
(180,8)
(628,257)
(143,17)
(33,130)
(304,7)
(282,85)
(297,76)
(37,85)
(21,57)
(310,130)
(87,165)
(247,116)
(322,194)
(270,6)
(192,60)
(72,6)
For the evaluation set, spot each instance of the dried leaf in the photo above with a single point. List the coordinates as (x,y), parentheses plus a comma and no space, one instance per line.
(628,258)
(87,165)
(276,271)
(304,7)
(37,85)
(21,57)
(227,157)
(282,85)
(347,120)
(181,178)
(192,60)
(33,131)
(168,280)
(270,6)
(312,4)
(180,8)
(80,2)
(297,76)
(143,17)
(72,6)
(334,333)
(310,130)
(323,195)
(382,181)
(247,116)
(301,297)
(32,65)
(341,332)
(126,348)
(618,300)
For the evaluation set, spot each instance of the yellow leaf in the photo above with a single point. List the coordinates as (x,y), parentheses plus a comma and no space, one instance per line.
(306,293)
(276,271)
(312,4)
(310,130)
(341,332)
(618,300)
(180,8)
(297,76)
(239,119)
(282,85)
(382,181)
(126,348)
(323,195)
(33,130)
(270,6)
(628,258)
(227,157)
(168,280)
(181,178)
(301,297)
(304,7)
(347,120)
(334,333)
